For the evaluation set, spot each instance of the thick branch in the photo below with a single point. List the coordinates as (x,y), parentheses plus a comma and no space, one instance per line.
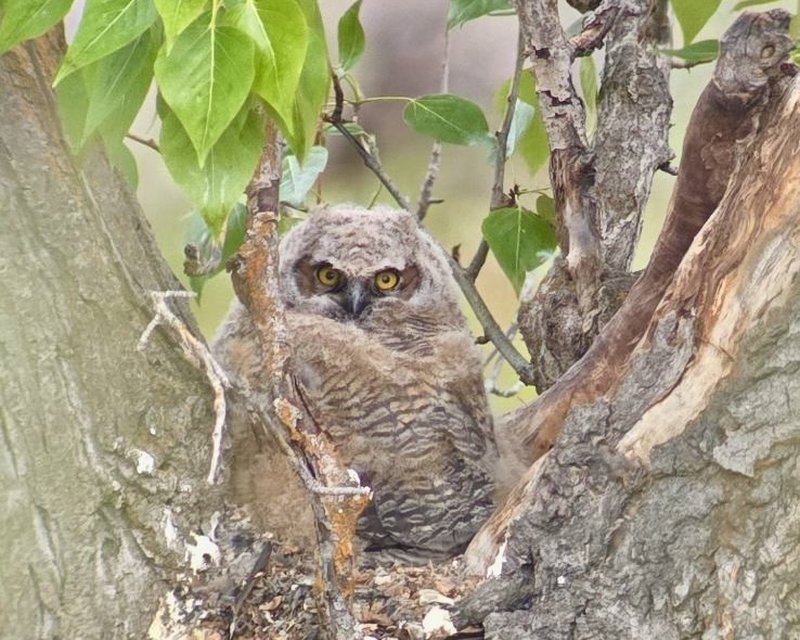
(728,111)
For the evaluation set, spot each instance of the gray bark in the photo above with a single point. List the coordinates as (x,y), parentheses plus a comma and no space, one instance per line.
(667,506)
(84,526)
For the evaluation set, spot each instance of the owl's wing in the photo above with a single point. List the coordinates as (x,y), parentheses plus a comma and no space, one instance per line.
(427,514)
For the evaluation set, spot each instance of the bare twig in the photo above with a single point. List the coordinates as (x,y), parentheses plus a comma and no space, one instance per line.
(198,353)
(499,198)
(147,142)
(372,163)
(436,150)
(490,327)
(309,451)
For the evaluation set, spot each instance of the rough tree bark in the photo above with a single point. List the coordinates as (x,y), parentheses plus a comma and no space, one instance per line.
(104,450)
(666,507)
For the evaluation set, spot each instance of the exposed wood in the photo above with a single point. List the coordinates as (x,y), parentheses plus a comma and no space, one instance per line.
(668,508)
(725,114)
(637,476)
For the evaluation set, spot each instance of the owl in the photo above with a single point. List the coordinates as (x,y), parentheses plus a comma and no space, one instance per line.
(388,368)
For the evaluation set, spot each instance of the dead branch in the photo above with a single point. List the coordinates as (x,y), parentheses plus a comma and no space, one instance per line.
(255,279)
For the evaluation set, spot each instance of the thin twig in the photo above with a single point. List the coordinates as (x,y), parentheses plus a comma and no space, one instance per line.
(372,163)
(147,142)
(499,199)
(199,354)
(490,327)
(436,150)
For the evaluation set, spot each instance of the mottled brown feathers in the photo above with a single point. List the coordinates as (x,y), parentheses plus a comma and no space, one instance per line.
(393,377)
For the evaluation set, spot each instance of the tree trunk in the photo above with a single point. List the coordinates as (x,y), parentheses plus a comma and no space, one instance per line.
(103,449)
(667,505)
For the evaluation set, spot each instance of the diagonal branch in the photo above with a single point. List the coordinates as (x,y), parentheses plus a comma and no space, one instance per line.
(283,413)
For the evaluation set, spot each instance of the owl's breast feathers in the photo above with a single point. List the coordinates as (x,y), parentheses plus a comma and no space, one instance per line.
(406,409)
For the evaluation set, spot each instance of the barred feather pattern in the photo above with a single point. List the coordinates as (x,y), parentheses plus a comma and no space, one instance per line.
(398,387)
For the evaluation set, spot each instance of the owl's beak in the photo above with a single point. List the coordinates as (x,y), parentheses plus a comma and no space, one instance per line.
(355,297)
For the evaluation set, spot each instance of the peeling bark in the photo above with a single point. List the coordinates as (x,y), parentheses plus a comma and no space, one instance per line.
(666,508)
(601,188)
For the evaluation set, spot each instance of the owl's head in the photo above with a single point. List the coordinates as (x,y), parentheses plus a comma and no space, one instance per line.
(350,264)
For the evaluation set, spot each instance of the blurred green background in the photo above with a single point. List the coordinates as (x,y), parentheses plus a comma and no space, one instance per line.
(403,56)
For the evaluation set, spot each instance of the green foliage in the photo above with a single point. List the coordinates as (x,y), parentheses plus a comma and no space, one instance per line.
(297,179)
(351,37)
(24,19)
(206,78)
(462,11)
(218,185)
(532,145)
(212,255)
(697,52)
(448,118)
(520,123)
(692,16)
(176,15)
(520,240)
(279,31)
(106,26)
(117,85)
(312,89)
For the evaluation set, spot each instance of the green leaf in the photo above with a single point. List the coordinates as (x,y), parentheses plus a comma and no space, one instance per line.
(206,79)
(520,122)
(211,259)
(297,180)
(176,15)
(692,15)
(447,118)
(216,186)
(25,19)
(106,26)
(73,103)
(750,3)
(588,78)
(462,11)
(698,52)
(123,159)
(312,90)
(520,241)
(351,37)
(235,230)
(280,34)
(532,146)
(117,85)
(546,209)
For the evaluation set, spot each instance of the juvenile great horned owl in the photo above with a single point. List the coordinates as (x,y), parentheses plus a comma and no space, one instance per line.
(390,371)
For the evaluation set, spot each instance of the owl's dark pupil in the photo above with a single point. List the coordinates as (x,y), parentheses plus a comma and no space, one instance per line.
(385,279)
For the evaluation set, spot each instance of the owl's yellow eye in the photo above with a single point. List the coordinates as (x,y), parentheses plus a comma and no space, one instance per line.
(387,280)
(328,276)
